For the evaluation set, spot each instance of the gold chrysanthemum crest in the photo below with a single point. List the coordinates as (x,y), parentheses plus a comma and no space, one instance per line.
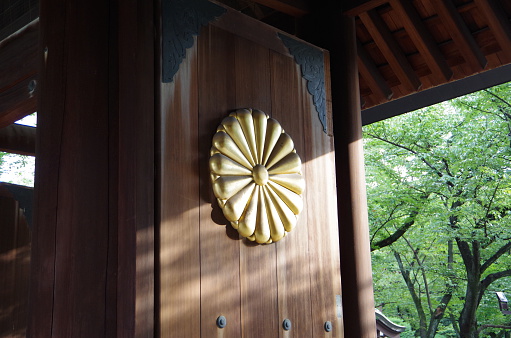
(256,175)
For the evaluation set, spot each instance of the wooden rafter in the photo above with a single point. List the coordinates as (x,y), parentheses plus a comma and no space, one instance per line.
(460,34)
(296,8)
(372,76)
(365,7)
(498,23)
(18,139)
(422,39)
(390,49)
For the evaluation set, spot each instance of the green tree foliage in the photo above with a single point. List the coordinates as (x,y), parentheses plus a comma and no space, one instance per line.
(19,169)
(439,182)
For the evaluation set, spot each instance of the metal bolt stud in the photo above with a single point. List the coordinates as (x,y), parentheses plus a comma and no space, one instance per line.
(328,326)
(221,322)
(286,324)
(31,86)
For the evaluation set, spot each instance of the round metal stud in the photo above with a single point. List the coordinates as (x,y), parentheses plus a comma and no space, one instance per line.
(221,322)
(328,326)
(31,86)
(286,324)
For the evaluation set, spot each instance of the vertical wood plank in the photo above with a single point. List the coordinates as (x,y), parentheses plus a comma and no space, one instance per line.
(69,274)
(94,169)
(8,260)
(135,272)
(48,157)
(21,274)
(259,305)
(179,204)
(293,250)
(82,216)
(322,222)
(219,242)
(252,76)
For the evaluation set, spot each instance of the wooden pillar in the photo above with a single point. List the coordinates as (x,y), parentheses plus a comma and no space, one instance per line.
(92,257)
(326,22)
(356,273)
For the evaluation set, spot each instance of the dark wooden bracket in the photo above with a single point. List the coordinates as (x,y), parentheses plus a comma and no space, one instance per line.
(181,21)
(312,64)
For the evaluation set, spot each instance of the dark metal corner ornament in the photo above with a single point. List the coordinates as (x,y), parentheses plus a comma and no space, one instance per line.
(312,65)
(181,21)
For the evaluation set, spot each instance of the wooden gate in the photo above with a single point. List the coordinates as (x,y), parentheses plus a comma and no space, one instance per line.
(206,269)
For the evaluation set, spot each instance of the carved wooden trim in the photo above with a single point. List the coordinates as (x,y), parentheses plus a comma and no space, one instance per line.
(312,65)
(181,21)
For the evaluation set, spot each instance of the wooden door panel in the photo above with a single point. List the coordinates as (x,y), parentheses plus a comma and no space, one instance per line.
(179,205)
(293,270)
(259,307)
(219,244)
(254,286)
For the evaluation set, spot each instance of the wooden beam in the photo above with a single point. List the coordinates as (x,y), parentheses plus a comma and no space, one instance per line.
(422,39)
(498,23)
(18,139)
(296,8)
(390,50)
(437,94)
(460,34)
(365,7)
(373,77)
(18,66)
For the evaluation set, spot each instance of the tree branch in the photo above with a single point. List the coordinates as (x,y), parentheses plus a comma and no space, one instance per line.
(423,272)
(438,172)
(397,234)
(466,254)
(391,214)
(416,299)
(498,97)
(492,277)
(503,249)
(482,327)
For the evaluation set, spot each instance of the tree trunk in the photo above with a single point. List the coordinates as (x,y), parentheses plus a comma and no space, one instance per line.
(467,320)
(437,316)
(415,297)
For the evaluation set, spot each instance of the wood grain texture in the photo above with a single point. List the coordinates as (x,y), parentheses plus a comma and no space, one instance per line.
(296,8)
(390,49)
(92,250)
(293,266)
(49,138)
(179,204)
(372,76)
(460,34)
(14,267)
(135,197)
(219,242)
(82,223)
(423,40)
(258,279)
(250,29)
(254,286)
(322,222)
(356,273)
(498,23)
